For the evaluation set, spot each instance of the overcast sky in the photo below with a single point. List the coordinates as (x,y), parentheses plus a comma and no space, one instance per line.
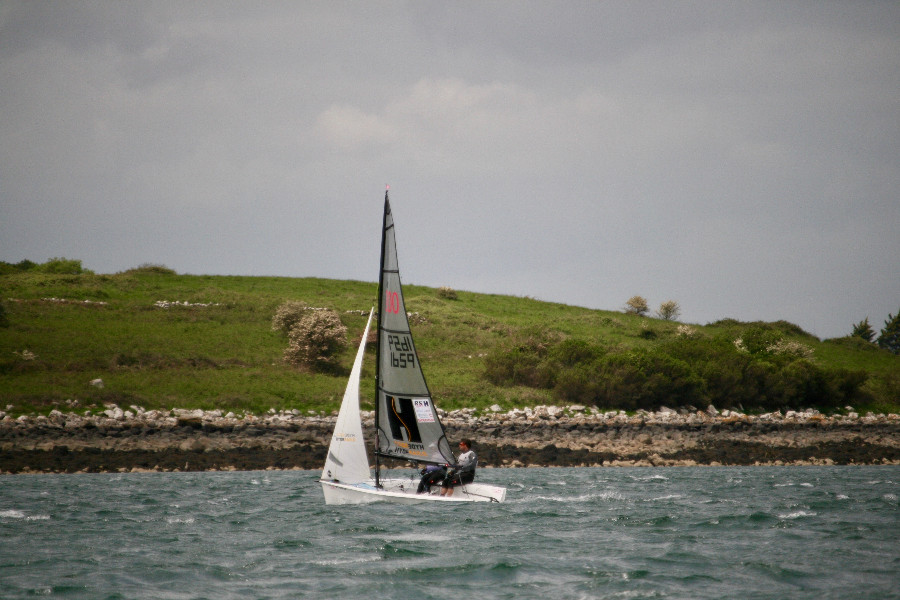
(742,159)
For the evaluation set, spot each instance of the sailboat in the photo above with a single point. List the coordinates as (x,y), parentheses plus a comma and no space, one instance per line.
(407,425)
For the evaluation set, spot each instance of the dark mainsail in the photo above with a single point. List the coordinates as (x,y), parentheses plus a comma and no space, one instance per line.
(406,419)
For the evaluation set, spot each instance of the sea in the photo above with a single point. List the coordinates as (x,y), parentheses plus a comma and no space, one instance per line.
(670,532)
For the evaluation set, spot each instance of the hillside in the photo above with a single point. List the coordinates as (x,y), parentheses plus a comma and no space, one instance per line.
(158,339)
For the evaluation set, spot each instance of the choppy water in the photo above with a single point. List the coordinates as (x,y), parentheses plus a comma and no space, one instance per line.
(756,532)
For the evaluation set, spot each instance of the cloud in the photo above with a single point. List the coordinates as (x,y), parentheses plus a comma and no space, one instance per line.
(739,158)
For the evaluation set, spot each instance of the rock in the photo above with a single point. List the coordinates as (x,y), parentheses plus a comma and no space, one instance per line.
(97,383)
(164,440)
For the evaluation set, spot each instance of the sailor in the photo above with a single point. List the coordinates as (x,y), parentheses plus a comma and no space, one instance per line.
(431,475)
(464,472)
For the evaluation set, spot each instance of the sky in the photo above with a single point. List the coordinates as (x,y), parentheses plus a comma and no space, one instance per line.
(739,158)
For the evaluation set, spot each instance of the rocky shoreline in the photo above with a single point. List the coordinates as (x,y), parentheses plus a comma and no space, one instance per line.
(137,440)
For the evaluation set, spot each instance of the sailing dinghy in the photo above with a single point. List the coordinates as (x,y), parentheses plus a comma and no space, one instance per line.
(407,426)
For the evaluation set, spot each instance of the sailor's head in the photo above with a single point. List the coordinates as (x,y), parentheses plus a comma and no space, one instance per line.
(465,444)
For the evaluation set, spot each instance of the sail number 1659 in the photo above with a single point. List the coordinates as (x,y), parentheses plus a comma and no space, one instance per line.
(402,354)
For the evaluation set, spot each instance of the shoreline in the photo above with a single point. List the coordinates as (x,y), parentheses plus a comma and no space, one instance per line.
(137,440)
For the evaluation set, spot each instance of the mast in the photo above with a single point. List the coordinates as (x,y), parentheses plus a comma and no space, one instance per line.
(387,210)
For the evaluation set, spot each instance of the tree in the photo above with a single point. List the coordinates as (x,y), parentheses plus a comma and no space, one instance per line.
(864,330)
(669,310)
(637,305)
(890,335)
(316,340)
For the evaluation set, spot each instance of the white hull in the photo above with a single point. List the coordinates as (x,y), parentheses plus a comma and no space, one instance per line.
(403,491)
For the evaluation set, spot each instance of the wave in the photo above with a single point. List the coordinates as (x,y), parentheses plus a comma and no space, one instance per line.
(18,514)
(797,515)
(590,497)
(331,562)
(669,497)
(176,520)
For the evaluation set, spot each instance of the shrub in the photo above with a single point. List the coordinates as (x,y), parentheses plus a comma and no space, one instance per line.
(21,266)
(447,293)
(669,310)
(62,266)
(522,359)
(316,340)
(637,305)
(758,340)
(287,315)
(790,348)
(580,384)
(686,331)
(151,269)
(573,352)
(863,330)
(666,380)
(761,371)
(647,333)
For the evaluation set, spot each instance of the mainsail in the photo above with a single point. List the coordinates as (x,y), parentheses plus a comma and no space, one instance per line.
(406,418)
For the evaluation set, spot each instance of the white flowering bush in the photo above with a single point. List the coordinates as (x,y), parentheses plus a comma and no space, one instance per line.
(316,340)
(637,305)
(287,315)
(790,348)
(686,331)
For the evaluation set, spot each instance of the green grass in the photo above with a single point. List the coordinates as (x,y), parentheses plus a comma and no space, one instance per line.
(226,355)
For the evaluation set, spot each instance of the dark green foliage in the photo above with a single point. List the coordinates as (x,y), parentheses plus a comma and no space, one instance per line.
(653,379)
(521,361)
(761,373)
(782,327)
(151,269)
(890,335)
(648,334)
(758,340)
(571,352)
(62,266)
(4,320)
(55,266)
(864,330)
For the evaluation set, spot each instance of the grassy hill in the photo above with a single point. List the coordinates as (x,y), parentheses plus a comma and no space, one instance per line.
(216,348)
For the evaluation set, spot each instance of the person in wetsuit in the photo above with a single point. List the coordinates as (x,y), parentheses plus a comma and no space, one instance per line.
(464,472)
